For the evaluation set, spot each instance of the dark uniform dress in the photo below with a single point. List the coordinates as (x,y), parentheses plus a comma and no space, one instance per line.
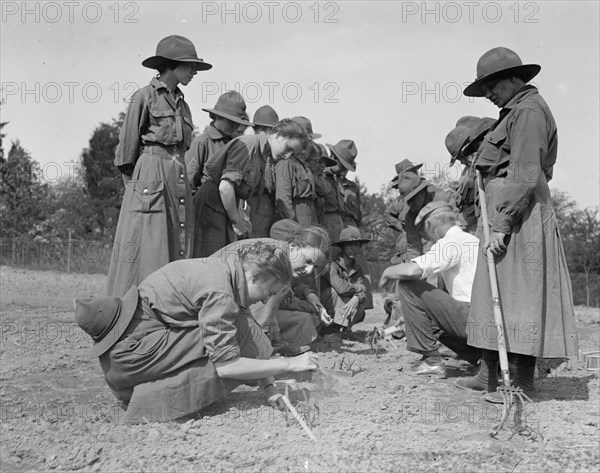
(333,207)
(516,160)
(242,163)
(202,148)
(156,220)
(191,314)
(295,191)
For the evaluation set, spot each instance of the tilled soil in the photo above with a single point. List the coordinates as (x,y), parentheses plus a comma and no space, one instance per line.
(58,415)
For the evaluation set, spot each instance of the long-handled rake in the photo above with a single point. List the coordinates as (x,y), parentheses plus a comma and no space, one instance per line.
(511,395)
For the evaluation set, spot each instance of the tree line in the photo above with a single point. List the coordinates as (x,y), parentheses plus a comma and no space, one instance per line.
(86,205)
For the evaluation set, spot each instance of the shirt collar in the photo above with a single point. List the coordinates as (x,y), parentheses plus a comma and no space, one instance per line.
(213,133)
(238,282)
(522,94)
(157,84)
(455,230)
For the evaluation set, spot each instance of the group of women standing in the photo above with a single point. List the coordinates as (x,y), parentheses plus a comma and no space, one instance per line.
(281,173)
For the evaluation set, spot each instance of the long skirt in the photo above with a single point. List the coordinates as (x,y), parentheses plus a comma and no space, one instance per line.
(534,285)
(156,221)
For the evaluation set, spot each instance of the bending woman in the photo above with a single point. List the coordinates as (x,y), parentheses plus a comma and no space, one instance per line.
(184,339)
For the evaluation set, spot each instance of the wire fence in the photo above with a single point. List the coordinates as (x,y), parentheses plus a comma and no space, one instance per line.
(73,255)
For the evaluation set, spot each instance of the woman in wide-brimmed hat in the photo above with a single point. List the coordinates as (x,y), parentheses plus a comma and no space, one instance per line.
(516,160)
(156,221)
(345,288)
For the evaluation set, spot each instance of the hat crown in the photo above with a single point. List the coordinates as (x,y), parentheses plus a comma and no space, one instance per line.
(496,60)
(434,207)
(97,316)
(231,103)
(265,116)
(346,152)
(406,166)
(176,48)
(456,138)
(350,234)
(468,120)
(304,123)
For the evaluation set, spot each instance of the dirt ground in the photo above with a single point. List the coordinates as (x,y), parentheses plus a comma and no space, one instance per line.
(58,415)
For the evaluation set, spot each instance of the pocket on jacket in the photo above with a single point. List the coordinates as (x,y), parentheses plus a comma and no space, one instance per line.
(166,126)
(147,196)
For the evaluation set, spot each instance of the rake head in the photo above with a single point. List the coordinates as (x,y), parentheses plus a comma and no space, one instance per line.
(514,399)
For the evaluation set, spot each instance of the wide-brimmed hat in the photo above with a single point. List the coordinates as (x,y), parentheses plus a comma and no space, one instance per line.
(455,140)
(402,167)
(497,63)
(105,319)
(350,235)
(175,48)
(345,151)
(432,208)
(307,125)
(476,135)
(231,105)
(265,116)
(325,155)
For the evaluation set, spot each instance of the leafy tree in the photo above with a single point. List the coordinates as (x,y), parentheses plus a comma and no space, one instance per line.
(102,178)
(23,195)
(383,239)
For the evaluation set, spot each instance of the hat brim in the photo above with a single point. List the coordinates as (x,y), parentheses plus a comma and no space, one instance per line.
(233,118)
(155,62)
(411,169)
(268,125)
(128,306)
(342,161)
(361,241)
(526,72)
(459,152)
(474,142)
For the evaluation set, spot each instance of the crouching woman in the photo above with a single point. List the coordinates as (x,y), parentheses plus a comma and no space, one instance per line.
(184,338)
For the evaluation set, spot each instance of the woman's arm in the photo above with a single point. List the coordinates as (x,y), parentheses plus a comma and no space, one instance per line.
(249,368)
(283,189)
(130,141)
(227,193)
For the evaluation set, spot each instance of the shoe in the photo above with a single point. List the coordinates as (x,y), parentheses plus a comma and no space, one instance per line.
(293,350)
(445,352)
(422,368)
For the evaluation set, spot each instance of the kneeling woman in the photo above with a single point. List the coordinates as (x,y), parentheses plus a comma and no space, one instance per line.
(184,338)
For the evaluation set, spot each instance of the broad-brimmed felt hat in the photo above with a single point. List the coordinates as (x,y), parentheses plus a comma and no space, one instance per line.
(498,63)
(476,134)
(402,167)
(307,125)
(350,234)
(175,48)
(231,105)
(432,208)
(325,155)
(265,116)
(455,140)
(105,319)
(345,151)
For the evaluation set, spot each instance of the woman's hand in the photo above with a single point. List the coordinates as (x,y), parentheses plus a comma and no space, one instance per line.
(306,362)
(350,308)
(325,317)
(314,300)
(496,243)
(274,398)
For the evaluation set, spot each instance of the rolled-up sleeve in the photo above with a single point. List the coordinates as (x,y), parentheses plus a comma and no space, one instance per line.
(236,164)
(442,256)
(217,313)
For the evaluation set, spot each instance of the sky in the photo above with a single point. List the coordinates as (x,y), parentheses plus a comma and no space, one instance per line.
(388,75)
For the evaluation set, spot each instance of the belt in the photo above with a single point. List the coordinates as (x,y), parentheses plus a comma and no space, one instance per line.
(163,151)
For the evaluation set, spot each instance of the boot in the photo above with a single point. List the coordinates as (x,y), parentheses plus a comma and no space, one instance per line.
(522,371)
(525,373)
(487,376)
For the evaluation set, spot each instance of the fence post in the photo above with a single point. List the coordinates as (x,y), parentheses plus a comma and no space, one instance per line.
(69,249)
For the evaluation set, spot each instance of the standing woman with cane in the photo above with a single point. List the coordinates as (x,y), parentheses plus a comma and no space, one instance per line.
(516,160)
(156,221)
